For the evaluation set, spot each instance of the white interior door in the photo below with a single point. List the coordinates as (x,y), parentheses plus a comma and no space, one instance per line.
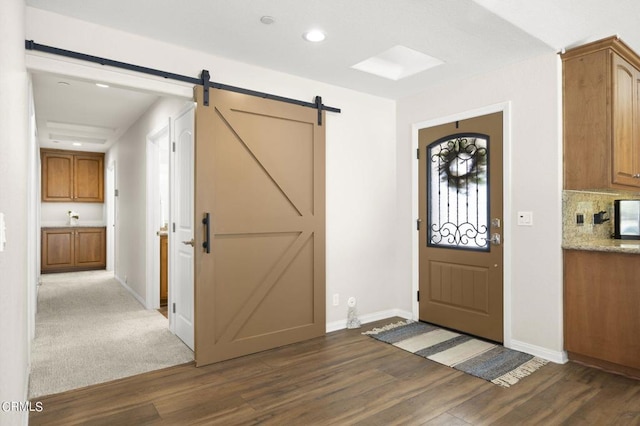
(182,235)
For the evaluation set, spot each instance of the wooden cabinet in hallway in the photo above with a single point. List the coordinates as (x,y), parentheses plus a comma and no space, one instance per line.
(72,176)
(67,249)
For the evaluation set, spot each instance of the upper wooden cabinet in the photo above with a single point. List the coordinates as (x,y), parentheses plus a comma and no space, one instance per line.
(601,113)
(626,123)
(72,176)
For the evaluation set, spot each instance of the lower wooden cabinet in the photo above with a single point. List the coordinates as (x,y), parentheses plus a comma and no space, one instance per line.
(73,249)
(601,309)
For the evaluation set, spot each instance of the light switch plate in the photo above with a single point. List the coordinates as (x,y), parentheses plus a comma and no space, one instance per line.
(525,218)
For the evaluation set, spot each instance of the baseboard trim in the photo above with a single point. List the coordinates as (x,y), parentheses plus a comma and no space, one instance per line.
(130,290)
(559,357)
(367,318)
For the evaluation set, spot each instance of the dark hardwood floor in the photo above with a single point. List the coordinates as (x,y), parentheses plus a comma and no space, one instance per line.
(346,378)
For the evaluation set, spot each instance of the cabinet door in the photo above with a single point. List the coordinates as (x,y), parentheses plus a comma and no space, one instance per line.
(601,306)
(89,178)
(90,249)
(57,176)
(625,123)
(57,250)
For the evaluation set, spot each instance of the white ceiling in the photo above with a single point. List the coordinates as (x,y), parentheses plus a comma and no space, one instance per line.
(471,37)
(69,111)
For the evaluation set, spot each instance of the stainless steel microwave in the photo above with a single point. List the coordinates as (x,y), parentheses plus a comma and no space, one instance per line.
(627,219)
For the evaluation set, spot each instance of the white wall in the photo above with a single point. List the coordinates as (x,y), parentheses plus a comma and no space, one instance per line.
(14,196)
(361,210)
(55,213)
(129,153)
(532,89)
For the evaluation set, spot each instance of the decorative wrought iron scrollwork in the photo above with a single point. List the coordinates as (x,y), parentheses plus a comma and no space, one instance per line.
(461,161)
(463,234)
(458,196)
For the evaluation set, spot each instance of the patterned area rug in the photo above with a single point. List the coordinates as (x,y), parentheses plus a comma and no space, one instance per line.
(488,361)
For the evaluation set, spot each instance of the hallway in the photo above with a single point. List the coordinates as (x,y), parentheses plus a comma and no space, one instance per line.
(90,330)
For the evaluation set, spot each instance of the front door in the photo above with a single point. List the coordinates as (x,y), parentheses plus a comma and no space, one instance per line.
(260,278)
(460,255)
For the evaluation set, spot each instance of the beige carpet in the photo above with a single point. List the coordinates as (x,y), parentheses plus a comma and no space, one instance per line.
(90,330)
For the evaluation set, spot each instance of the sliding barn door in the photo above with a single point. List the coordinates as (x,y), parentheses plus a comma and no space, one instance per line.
(260,176)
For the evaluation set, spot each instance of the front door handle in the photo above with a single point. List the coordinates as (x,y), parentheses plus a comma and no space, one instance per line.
(495,239)
(190,243)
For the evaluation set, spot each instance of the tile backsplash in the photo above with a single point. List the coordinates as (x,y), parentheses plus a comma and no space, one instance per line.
(588,203)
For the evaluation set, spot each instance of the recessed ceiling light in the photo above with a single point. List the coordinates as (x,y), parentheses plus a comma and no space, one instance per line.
(76,144)
(104,86)
(314,36)
(267,20)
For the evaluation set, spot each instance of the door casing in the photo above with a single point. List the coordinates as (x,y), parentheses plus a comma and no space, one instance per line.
(110,205)
(507,208)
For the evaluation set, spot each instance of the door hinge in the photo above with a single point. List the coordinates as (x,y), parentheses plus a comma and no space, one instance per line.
(173,226)
(418,295)
(173,308)
(418,222)
(418,154)
(115,192)
(173,147)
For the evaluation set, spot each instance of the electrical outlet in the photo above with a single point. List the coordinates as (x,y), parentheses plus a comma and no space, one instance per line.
(599,218)
(336,299)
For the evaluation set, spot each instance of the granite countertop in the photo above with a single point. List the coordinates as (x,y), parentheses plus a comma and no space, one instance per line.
(606,245)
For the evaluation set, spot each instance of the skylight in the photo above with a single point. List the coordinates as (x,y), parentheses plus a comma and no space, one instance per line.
(397,63)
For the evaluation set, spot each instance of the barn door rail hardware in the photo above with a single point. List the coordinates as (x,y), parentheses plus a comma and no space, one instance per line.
(202,81)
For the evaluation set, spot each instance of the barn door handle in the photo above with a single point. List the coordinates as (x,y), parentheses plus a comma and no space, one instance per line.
(205,244)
